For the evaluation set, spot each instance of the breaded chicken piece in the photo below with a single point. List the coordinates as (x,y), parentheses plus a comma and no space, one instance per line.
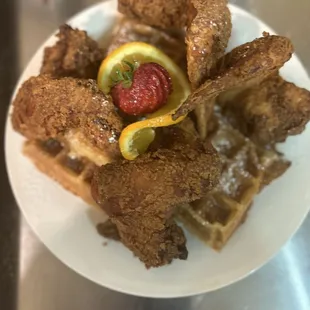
(171,43)
(46,108)
(271,111)
(208,25)
(159,13)
(140,196)
(74,55)
(207,35)
(244,66)
(108,230)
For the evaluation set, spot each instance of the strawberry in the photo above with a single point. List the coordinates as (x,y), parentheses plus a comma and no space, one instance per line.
(142,91)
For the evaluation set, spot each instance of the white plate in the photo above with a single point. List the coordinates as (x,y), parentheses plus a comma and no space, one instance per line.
(67,226)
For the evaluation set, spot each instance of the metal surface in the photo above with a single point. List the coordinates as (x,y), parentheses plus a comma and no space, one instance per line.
(45,283)
(9,214)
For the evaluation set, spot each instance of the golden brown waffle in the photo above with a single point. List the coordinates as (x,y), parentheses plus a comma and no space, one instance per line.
(246,169)
(51,158)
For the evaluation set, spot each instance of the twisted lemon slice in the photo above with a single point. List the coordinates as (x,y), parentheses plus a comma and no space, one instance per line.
(136,137)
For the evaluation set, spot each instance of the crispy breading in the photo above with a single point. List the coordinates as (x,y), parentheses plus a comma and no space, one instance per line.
(46,108)
(271,111)
(171,43)
(108,230)
(75,54)
(159,13)
(207,35)
(208,25)
(140,196)
(244,66)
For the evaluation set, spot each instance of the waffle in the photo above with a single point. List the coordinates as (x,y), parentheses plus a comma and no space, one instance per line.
(246,170)
(54,160)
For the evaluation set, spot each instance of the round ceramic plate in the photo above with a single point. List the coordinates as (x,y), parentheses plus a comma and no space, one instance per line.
(66,225)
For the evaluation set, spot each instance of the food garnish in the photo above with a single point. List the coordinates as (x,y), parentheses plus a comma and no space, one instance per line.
(142,91)
(125,62)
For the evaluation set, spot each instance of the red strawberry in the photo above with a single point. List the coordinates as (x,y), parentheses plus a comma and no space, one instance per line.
(149,90)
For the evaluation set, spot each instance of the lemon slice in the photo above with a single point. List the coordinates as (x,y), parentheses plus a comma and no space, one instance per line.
(136,137)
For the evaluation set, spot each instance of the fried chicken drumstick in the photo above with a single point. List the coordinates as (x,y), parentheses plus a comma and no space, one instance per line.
(140,196)
(48,108)
(75,55)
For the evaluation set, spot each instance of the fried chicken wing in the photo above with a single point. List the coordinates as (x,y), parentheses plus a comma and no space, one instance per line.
(244,66)
(46,108)
(159,13)
(108,230)
(271,111)
(140,196)
(207,35)
(74,55)
(208,32)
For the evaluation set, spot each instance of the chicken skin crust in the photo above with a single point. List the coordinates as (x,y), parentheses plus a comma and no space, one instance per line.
(75,54)
(243,67)
(271,111)
(208,32)
(47,108)
(158,13)
(140,196)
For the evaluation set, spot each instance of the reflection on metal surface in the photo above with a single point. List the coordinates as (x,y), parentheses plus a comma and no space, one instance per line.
(297,276)
(45,283)
(271,288)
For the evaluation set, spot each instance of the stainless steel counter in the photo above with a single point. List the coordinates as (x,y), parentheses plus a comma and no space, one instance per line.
(45,283)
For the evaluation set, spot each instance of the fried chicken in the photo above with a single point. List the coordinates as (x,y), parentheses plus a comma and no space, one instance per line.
(207,35)
(140,196)
(108,230)
(159,13)
(74,55)
(171,43)
(271,111)
(208,25)
(244,66)
(48,108)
